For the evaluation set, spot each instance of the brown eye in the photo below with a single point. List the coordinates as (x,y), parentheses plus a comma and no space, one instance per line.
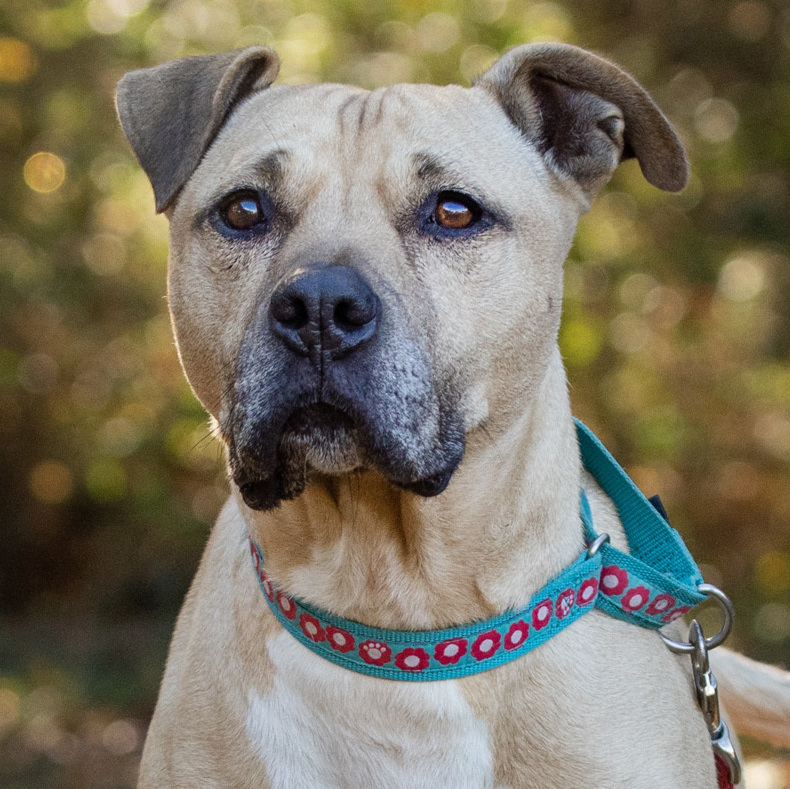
(455,212)
(243,212)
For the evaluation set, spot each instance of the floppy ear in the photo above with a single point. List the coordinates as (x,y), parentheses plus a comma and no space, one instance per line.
(172,113)
(585,115)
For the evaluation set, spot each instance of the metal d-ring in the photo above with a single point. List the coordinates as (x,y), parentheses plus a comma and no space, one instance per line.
(728,616)
(597,544)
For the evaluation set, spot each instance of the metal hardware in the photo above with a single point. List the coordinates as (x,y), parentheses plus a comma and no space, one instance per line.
(704,682)
(705,685)
(597,544)
(707,691)
(723,747)
(728,615)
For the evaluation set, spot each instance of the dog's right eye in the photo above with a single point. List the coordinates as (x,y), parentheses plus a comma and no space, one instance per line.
(455,211)
(452,215)
(242,212)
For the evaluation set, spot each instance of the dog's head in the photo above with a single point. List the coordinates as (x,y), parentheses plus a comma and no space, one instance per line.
(361,279)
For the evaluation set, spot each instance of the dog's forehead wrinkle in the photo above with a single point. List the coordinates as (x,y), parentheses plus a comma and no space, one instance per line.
(346,111)
(364,114)
(372,107)
(272,164)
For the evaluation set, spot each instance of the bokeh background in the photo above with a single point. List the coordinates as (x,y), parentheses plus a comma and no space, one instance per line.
(676,330)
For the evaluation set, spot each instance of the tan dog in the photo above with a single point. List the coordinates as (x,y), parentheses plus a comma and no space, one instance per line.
(366,291)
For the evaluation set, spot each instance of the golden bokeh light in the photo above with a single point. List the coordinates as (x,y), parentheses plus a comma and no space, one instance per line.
(17,61)
(44,172)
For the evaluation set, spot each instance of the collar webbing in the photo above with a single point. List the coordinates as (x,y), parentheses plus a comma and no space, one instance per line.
(653,584)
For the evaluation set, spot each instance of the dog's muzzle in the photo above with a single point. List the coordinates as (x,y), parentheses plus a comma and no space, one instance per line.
(329,380)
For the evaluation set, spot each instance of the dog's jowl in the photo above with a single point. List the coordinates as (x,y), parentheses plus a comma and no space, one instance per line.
(366,290)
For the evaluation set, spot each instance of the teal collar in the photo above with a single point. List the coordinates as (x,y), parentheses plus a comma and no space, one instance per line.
(655,583)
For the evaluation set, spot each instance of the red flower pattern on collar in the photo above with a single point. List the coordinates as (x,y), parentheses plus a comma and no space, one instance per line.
(411,659)
(311,627)
(660,604)
(287,605)
(541,614)
(339,639)
(635,598)
(451,651)
(516,636)
(464,647)
(613,580)
(587,592)
(486,645)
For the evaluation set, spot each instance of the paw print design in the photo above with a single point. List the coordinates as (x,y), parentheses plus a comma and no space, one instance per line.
(377,653)
(565,603)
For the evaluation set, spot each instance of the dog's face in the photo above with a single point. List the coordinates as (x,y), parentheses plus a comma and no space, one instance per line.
(400,246)
(359,280)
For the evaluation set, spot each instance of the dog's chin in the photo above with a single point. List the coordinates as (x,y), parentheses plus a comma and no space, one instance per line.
(320,440)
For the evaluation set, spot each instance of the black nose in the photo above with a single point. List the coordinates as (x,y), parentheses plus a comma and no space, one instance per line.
(330,309)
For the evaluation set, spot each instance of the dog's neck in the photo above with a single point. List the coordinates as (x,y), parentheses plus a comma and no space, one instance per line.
(362,549)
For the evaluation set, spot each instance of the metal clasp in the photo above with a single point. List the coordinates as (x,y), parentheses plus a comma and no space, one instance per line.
(705,685)
(707,690)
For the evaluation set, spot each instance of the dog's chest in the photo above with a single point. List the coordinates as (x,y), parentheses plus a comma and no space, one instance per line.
(346,730)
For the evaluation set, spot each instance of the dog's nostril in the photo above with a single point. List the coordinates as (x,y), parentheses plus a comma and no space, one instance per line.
(290,311)
(351,315)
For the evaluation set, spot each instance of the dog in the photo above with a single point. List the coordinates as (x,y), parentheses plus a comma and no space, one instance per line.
(366,289)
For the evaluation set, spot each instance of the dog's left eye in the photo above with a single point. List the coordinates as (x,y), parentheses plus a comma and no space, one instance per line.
(455,211)
(242,212)
(450,215)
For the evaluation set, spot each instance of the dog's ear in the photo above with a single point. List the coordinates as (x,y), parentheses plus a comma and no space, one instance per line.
(172,113)
(585,115)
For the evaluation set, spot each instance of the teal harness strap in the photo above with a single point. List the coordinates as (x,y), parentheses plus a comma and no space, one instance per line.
(654,584)
(658,580)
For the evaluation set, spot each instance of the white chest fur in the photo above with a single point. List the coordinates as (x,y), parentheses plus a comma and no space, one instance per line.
(327,728)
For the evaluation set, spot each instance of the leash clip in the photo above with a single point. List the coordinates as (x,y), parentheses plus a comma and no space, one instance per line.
(707,691)
(705,685)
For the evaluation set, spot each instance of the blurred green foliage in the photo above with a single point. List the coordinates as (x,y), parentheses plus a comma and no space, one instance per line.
(676,329)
